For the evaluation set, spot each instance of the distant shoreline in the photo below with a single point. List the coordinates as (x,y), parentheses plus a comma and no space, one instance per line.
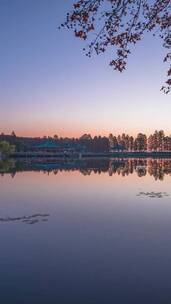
(23,155)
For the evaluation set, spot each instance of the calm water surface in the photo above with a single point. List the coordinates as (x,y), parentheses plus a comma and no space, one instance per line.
(85,232)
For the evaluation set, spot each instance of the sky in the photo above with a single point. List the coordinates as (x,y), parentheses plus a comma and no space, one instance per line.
(48,86)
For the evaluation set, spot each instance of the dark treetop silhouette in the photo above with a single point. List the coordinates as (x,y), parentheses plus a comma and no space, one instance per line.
(122,23)
(156,142)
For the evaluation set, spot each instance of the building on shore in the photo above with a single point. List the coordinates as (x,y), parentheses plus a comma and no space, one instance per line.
(46,146)
(50,146)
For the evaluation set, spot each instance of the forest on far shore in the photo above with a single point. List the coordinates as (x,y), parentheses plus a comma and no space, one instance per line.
(157,141)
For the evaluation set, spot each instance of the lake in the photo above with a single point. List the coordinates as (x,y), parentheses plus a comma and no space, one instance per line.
(85,231)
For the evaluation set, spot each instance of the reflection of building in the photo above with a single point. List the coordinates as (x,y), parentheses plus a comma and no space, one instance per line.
(157,168)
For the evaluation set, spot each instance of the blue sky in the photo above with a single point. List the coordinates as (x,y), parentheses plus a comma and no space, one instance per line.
(48,86)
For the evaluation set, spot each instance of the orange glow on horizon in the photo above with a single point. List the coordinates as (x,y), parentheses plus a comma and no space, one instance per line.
(73,133)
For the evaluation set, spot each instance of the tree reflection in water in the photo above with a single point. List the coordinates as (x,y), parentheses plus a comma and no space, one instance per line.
(157,168)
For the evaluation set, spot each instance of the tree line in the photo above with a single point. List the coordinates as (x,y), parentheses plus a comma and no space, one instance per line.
(156,142)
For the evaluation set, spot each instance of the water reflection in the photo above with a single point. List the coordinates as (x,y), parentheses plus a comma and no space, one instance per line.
(31,219)
(157,168)
(153,194)
(107,238)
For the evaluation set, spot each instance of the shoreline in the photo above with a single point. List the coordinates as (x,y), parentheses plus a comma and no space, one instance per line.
(34,155)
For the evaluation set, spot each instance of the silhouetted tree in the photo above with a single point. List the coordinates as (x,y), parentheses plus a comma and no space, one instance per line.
(131,143)
(6,148)
(157,141)
(152,142)
(167,143)
(112,141)
(56,137)
(140,143)
(13,134)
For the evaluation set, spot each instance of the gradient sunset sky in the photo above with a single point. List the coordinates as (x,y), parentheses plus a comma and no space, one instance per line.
(48,86)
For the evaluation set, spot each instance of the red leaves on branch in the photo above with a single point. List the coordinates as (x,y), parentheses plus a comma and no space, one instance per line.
(118,64)
(121,24)
(80,34)
(77,5)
